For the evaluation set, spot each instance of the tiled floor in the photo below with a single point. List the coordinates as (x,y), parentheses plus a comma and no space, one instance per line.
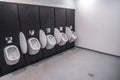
(74,64)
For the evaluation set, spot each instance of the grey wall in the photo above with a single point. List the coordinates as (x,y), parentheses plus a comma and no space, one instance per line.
(55,3)
(98,25)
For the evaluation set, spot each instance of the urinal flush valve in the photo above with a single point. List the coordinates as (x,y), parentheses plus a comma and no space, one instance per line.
(71,27)
(9,39)
(61,28)
(31,32)
(48,30)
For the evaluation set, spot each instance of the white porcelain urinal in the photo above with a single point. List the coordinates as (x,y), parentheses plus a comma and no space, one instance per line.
(33,46)
(57,35)
(11,55)
(64,39)
(42,38)
(50,41)
(72,36)
(23,43)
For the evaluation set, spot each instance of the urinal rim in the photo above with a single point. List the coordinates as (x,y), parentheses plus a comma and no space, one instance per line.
(63,39)
(29,40)
(42,31)
(52,38)
(6,52)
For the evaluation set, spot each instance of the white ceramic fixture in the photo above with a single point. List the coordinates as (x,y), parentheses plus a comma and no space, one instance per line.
(11,55)
(42,38)
(68,32)
(23,43)
(51,42)
(57,35)
(33,46)
(64,39)
(72,36)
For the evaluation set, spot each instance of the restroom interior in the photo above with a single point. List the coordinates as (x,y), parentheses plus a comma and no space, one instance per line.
(25,34)
(34,32)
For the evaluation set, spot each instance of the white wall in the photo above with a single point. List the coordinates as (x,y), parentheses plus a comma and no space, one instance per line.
(98,25)
(55,3)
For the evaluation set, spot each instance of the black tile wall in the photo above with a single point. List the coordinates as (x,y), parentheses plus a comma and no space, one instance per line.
(29,20)
(70,16)
(9,28)
(60,21)
(47,21)
(16,18)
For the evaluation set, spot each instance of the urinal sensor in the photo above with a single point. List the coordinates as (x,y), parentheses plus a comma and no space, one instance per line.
(71,27)
(9,39)
(61,28)
(31,32)
(48,30)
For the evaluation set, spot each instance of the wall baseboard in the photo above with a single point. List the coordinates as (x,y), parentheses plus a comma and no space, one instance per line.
(98,51)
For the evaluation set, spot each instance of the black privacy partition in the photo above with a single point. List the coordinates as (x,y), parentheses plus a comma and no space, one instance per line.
(47,24)
(29,23)
(60,23)
(70,16)
(11,57)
